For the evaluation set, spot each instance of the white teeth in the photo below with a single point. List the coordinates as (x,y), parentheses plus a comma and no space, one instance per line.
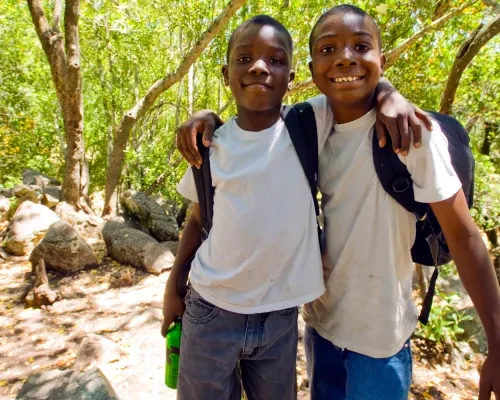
(347,79)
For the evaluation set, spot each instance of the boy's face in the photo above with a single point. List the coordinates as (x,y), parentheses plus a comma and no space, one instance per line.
(258,71)
(346,58)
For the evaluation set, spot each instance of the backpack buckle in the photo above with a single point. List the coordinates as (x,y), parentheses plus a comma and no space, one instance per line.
(401,184)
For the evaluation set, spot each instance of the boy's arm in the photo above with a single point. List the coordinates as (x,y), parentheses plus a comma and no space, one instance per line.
(479,278)
(173,303)
(394,114)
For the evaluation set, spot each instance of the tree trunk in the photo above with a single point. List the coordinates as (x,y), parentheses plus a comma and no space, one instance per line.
(144,104)
(466,53)
(64,60)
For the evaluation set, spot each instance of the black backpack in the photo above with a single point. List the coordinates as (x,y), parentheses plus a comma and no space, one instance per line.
(301,125)
(430,246)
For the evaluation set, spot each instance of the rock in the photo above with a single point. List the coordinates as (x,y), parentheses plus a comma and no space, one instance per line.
(157,219)
(473,331)
(6,192)
(85,224)
(94,351)
(32,193)
(68,385)
(3,254)
(4,206)
(34,177)
(27,227)
(51,196)
(122,278)
(131,246)
(64,250)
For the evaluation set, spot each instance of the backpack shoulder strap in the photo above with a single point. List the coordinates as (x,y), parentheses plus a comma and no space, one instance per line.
(204,188)
(301,125)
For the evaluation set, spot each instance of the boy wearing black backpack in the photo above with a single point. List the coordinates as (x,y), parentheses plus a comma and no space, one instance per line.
(357,334)
(261,258)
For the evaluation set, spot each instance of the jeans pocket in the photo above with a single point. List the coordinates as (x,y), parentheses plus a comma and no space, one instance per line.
(200,311)
(286,311)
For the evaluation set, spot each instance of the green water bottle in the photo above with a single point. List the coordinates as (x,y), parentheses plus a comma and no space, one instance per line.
(173,353)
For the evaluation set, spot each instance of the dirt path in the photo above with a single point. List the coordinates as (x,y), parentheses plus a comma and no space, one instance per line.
(36,340)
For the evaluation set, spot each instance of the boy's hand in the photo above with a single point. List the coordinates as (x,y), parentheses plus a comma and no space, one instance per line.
(173,308)
(399,117)
(490,376)
(201,121)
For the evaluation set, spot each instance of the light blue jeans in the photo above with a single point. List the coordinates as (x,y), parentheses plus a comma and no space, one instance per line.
(340,374)
(221,349)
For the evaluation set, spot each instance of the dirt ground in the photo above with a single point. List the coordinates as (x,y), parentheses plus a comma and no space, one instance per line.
(36,340)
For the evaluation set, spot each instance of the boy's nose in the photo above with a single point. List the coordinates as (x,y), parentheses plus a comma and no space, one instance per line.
(345,59)
(259,67)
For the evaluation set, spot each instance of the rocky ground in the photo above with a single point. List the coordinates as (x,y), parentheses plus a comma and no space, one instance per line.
(122,305)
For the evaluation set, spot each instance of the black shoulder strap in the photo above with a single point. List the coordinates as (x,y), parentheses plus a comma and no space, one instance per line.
(204,188)
(301,125)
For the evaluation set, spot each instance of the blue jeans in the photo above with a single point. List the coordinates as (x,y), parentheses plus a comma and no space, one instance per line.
(338,374)
(220,350)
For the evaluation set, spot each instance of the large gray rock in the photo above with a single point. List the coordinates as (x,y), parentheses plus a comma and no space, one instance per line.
(90,225)
(27,227)
(32,193)
(51,196)
(64,250)
(34,177)
(157,219)
(68,385)
(136,248)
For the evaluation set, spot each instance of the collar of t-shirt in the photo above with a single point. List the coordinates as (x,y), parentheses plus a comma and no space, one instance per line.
(252,135)
(366,121)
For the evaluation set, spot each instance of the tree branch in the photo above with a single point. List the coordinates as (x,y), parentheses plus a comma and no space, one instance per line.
(134,114)
(468,50)
(391,56)
(56,20)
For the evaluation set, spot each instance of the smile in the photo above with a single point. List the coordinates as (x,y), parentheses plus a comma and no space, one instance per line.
(343,79)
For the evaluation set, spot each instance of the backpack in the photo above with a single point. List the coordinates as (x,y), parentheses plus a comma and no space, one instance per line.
(430,246)
(300,122)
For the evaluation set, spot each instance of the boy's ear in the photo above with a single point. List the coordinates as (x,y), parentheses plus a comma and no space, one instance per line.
(382,63)
(225,74)
(311,67)
(291,78)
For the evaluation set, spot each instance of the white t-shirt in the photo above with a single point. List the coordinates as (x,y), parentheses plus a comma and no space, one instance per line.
(262,253)
(368,307)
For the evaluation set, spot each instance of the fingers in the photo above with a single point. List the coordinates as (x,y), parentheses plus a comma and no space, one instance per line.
(416,127)
(424,117)
(184,143)
(392,127)
(166,325)
(381,136)
(192,153)
(404,134)
(208,132)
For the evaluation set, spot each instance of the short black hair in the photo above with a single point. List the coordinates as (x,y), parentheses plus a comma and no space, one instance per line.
(343,9)
(260,20)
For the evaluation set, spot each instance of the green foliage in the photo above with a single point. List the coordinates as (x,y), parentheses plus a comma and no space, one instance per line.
(444,321)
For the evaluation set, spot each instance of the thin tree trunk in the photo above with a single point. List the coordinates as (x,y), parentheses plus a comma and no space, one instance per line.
(466,53)
(134,114)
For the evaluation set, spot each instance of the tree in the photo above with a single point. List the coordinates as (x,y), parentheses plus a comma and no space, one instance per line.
(63,55)
(131,117)
(466,53)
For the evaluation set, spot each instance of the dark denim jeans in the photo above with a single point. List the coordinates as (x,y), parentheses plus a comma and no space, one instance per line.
(221,349)
(339,374)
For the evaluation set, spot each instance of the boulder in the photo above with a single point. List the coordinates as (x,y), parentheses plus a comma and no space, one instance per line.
(34,177)
(86,224)
(51,196)
(32,193)
(158,220)
(6,192)
(68,385)
(4,205)
(64,250)
(27,227)
(131,246)
(96,350)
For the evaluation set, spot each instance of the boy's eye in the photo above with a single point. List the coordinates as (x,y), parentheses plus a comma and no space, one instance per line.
(276,61)
(328,49)
(362,47)
(243,59)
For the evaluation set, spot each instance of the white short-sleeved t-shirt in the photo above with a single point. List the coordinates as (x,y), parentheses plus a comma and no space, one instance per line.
(262,253)
(367,306)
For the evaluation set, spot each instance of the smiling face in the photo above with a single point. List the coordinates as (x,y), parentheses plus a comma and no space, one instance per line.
(258,70)
(346,59)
